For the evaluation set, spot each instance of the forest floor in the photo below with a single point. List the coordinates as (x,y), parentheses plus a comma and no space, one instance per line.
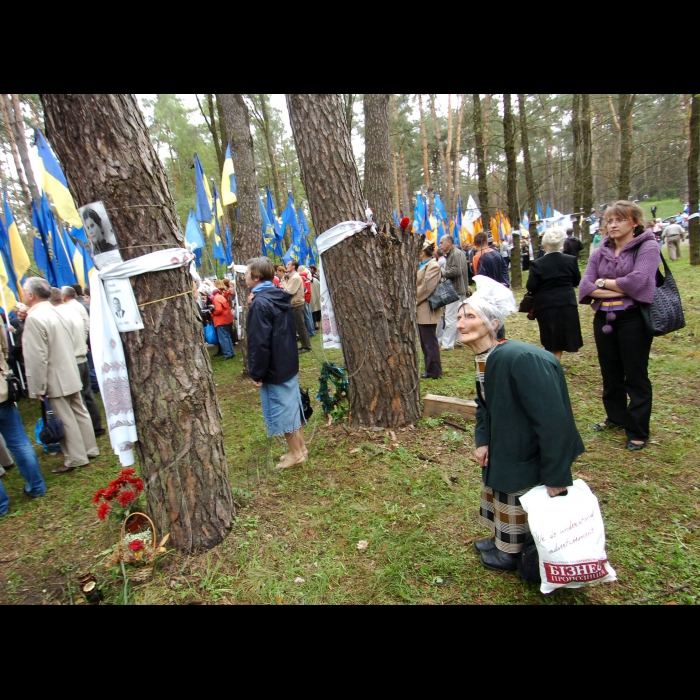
(412,494)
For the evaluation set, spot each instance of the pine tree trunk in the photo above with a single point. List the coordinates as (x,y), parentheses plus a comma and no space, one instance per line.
(577,170)
(271,152)
(626,103)
(247,242)
(481,162)
(516,279)
(693,194)
(529,179)
(378,157)
(103,145)
(457,155)
(21,139)
(448,159)
(441,156)
(371,277)
(586,173)
(426,170)
(8,115)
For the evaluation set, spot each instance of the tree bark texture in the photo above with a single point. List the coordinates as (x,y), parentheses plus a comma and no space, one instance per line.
(247,241)
(481,162)
(693,194)
(378,157)
(529,179)
(371,277)
(103,145)
(626,103)
(577,169)
(21,139)
(512,186)
(457,155)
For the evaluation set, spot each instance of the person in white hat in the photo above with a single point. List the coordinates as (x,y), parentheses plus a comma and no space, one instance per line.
(525,430)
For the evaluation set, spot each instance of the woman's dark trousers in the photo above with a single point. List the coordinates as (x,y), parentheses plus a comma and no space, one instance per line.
(624,357)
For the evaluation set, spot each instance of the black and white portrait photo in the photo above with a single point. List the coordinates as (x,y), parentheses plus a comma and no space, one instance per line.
(99,232)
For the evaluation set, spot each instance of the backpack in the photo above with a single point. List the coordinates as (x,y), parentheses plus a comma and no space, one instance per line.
(307,291)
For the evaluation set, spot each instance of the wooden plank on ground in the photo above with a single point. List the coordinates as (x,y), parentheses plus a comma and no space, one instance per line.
(434,405)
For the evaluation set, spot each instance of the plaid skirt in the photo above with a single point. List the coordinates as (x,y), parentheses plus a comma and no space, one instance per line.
(502,513)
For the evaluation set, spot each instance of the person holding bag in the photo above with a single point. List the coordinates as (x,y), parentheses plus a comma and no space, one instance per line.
(428,278)
(525,431)
(621,276)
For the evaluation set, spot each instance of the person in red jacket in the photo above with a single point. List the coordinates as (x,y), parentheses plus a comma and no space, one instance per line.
(223,318)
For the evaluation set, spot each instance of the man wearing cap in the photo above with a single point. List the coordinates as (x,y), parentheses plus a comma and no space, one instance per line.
(457,272)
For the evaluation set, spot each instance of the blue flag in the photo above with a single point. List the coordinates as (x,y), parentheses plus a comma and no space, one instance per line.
(289,218)
(439,209)
(193,235)
(419,215)
(270,243)
(63,267)
(539,210)
(458,222)
(273,216)
(204,202)
(549,211)
(227,248)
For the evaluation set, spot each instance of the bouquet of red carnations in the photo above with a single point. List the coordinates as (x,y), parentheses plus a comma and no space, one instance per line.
(120,495)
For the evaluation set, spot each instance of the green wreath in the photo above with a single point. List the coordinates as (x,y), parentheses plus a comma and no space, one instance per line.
(336,376)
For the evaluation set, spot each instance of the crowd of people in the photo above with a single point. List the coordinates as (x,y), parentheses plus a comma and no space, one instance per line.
(48,351)
(525,431)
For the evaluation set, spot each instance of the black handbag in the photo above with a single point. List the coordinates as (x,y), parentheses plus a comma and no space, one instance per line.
(53,430)
(305,409)
(665,313)
(526,304)
(14,387)
(442,295)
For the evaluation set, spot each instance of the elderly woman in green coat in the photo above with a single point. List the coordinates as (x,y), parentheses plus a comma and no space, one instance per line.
(525,429)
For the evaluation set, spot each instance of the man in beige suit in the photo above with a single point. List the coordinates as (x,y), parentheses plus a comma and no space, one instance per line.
(52,371)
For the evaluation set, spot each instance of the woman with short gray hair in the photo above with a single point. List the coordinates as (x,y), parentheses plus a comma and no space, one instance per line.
(552,280)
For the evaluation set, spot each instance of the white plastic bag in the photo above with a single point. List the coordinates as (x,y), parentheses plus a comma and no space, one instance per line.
(570,537)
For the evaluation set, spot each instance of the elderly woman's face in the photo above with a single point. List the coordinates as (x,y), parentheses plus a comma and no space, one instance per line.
(471,326)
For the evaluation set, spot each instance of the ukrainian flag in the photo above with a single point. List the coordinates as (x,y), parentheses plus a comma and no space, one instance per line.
(418,220)
(203,212)
(218,244)
(55,183)
(20,259)
(193,235)
(9,293)
(270,244)
(289,218)
(229,194)
(76,258)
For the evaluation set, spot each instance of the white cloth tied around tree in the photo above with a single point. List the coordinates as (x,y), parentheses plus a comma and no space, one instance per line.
(329,327)
(108,351)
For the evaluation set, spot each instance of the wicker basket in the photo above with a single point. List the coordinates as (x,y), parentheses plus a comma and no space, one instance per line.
(144,572)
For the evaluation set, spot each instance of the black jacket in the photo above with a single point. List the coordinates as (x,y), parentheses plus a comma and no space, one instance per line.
(494,265)
(273,357)
(552,280)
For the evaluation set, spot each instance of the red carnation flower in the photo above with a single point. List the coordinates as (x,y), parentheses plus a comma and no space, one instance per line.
(405,222)
(103,510)
(136,483)
(127,472)
(136,545)
(126,497)
(98,495)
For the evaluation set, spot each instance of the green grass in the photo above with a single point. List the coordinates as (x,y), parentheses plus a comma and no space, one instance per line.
(419,517)
(665,207)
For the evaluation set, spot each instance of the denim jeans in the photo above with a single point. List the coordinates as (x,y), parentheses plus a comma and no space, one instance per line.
(225,342)
(309,320)
(21,449)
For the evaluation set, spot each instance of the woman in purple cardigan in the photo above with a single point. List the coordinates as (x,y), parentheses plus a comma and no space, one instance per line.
(621,275)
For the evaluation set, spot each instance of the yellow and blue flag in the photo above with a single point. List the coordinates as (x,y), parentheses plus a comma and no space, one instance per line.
(55,183)
(8,281)
(218,243)
(76,257)
(203,211)
(16,249)
(65,275)
(229,192)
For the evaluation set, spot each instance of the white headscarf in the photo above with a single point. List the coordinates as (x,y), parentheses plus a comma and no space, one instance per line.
(491,300)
